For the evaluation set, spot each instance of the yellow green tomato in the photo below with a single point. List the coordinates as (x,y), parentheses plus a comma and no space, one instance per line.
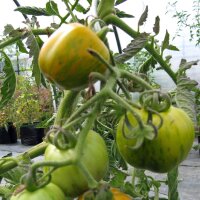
(70,178)
(167,150)
(64,58)
(48,192)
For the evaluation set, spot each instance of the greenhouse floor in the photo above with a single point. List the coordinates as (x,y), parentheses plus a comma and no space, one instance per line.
(189,172)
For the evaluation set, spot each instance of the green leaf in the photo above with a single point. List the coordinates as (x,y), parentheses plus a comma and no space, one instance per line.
(119,2)
(172,177)
(165,43)
(156,28)
(32,11)
(147,65)
(89,1)
(33,45)
(122,14)
(9,80)
(143,17)
(52,8)
(21,46)
(133,48)
(81,9)
(184,97)
(172,47)
(118,178)
(8,29)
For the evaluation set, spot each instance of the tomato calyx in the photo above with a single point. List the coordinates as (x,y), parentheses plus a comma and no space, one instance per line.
(138,133)
(155,100)
(61,138)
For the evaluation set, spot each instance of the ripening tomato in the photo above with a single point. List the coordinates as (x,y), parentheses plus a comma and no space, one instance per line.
(117,195)
(64,58)
(167,150)
(48,192)
(70,178)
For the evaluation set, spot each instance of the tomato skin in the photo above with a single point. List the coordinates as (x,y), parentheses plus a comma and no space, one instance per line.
(64,58)
(48,192)
(167,150)
(70,178)
(117,195)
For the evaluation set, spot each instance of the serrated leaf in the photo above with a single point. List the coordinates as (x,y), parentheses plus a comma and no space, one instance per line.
(145,67)
(183,96)
(119,2)
(9,80)
(165,42)
(133,48)
(8,29)
(122,14)
(33,45)
(21,46)
(52,8)
(156,28)
(81,9)
(186,101)
(172,47)
(143,17)
(32,11)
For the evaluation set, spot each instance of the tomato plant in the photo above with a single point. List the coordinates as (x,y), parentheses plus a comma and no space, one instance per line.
(70,178)
(49,192)
(78,162)
(64,58)
(171,145)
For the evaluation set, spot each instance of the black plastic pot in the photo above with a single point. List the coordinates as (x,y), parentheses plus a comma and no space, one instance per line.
(8,134)
(30,135)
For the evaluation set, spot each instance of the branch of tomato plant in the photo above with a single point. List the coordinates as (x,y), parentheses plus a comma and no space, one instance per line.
(32,153)
(70,11)
(22,34)
(114,20)
(68,14)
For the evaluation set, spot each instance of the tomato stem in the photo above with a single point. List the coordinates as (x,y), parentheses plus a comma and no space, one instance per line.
(66,106)
(68,14)
(70,11)
(92,183)
(105,8)
(127,106)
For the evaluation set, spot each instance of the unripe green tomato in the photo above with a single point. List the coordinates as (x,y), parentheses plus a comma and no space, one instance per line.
(70,178)
(64,58)
(167,150)
(48,192)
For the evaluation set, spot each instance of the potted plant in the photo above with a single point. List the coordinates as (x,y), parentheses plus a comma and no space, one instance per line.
(30,110)
(8,133)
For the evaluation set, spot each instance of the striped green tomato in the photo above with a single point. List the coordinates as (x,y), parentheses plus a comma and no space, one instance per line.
(48,192)
(64,58)
(167,150)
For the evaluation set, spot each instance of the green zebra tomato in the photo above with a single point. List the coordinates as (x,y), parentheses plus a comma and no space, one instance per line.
(48,192)
(70,178)
(167,150)
(64,58)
